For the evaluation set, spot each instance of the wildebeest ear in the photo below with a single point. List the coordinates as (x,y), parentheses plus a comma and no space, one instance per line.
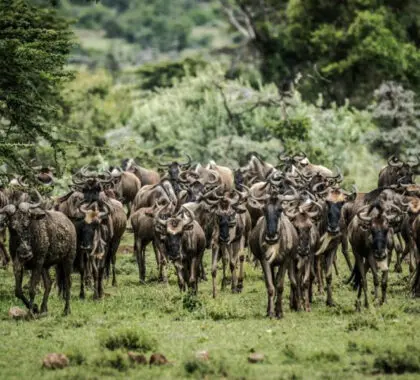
(37,214)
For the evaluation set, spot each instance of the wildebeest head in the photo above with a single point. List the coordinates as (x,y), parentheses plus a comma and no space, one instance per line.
(402,171)
(93,233)
(302,219)
(19,219)
(271,204)
(174,228)
(174,168)
(377,223)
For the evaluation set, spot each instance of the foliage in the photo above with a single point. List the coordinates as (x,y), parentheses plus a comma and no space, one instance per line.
(164,74)
(211,117)
(130,339)
(94,106)
(34,45)
(345,49)
(398,361)
(149,24)
(397,113)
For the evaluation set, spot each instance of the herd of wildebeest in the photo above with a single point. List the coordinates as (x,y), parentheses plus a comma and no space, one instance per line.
(289,218)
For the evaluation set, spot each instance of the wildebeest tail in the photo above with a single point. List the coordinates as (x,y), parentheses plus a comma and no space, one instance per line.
(355,277)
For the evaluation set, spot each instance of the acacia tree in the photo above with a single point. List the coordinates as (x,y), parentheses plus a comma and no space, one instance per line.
(34,45)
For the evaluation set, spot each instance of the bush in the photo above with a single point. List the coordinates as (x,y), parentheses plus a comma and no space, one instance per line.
(130,339)
(393,361)
(363,322)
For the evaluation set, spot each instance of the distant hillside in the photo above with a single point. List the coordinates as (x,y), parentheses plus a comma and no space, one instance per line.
(138,31)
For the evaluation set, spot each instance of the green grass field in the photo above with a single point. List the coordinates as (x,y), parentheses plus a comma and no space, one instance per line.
(326,343)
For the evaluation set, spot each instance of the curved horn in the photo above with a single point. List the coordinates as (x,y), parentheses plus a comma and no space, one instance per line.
(188,163)
(395,162)
(313,214)
(364,218)
(162,164)
(216,176)
(190,216)
(20,181)
(158,218)
(37,204)
(292,197)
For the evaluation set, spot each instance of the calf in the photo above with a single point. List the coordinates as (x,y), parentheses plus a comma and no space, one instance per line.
(369,233)
(184,244)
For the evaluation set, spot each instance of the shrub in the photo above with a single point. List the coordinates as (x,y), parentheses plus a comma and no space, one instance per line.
(393,361)
(130,339)
(363,322)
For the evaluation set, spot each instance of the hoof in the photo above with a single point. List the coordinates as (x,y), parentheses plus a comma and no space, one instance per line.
(398,268)
(330,303)
(279,315)
(35,309)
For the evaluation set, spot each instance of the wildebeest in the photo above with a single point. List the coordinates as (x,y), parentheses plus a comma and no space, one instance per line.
(184,244)
(369,233)
(301,271)
(396,172)
(174,169)
(273,241)
(126,187)
(39,240)
(143,223)
(99,235)
(146,176)
(231,227)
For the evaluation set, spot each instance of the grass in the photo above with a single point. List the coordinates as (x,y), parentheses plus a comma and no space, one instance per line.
(326,343)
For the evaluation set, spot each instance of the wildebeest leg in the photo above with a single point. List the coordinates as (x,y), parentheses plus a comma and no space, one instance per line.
(193,274)
(319,275)
(399,252)
(18,272)
(345,250)
(233,260)
(269,286)
(214,259)
(280,287)
(225,258)
(95,275)
(180,274)
(202,270)
(241,271)
(306,282)
(46,278)
(361,280)
(139,250)
(294,300)
(101,272)
(384,285)
(335,266)
(34,281)
(67,269)
(329,260)
(372,264)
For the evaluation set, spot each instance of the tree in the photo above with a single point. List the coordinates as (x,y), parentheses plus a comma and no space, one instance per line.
(398,117)
(345,48)
(34,46)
